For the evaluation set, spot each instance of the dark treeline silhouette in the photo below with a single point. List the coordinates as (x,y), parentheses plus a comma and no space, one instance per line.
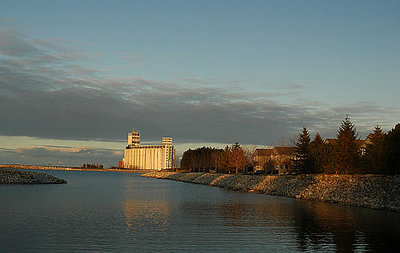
(347,154)
(92,166)
(231,159)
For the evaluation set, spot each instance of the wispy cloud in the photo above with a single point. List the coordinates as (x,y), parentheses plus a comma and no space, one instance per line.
(293,86)
(53,149)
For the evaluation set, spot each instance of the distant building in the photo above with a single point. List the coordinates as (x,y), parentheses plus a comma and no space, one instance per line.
(261,157)
(282,157)
(149,157)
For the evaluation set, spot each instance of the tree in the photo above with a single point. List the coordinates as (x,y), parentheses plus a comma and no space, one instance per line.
(225,160)
(330,158)
(199,159)
(347,152)
(318,154)
(373,158)
(188,160)
(269,165)
(303,160)
(217,159)
(249,153)
(238,159)
(391,150)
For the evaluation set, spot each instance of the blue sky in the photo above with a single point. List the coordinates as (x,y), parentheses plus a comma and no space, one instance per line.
(205,72)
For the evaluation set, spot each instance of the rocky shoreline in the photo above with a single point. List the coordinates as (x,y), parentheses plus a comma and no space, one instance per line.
(372,191)
(27,177)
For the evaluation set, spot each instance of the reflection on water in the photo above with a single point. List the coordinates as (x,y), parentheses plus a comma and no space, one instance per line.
(142,210)
(145,213)
(347,228)
(321,226)
(108,212)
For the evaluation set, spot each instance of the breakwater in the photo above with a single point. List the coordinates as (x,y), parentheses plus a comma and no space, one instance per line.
(27,177)
(41,167)
(34,167)
(372,191)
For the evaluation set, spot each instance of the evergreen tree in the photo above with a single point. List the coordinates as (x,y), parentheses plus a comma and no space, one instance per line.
(303,158)
(373,158)
(346,149)
(391,150)
(318,154)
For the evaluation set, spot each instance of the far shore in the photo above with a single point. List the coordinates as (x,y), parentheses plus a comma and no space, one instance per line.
(42,167)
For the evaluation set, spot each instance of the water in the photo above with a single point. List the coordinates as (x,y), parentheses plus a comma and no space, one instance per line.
(123,212)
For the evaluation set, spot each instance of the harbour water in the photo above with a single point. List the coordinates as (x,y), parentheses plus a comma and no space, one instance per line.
(123,212)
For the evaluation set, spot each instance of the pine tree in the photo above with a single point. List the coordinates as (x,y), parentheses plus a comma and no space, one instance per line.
(318,154)
(373,158)
(346,148)
(302,154)
(391,150)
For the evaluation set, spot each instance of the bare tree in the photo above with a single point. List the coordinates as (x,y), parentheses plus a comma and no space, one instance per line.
(238,158)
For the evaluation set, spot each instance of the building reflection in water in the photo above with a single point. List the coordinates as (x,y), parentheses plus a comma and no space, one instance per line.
(143,208)
(142,213)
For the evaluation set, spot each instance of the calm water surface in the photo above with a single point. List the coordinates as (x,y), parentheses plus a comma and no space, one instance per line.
(121,212)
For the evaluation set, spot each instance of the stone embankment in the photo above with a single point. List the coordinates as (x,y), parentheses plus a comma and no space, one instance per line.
(27,177)
(373,191)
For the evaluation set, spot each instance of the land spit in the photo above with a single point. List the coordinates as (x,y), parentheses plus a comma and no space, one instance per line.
(27,177)
(41,167)
(372,191)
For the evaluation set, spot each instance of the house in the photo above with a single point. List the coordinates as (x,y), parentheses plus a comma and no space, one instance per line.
(280,157)
(261,157)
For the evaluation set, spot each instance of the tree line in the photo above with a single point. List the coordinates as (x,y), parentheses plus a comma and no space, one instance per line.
(92,166)
(343,155)
(346,155)
(231,159)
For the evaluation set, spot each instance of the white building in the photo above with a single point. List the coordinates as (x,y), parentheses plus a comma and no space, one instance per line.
(149,157)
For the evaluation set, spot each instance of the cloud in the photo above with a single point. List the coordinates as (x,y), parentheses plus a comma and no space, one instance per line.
(293,86)
(51,149)
(45,94)
(118,153)
(211,81)
(68,156)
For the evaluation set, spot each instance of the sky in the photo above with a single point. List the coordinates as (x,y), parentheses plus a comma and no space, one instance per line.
(77,76)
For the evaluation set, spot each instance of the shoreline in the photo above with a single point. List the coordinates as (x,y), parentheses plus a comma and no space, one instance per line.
(10,176)
(370,191)
(40,167)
